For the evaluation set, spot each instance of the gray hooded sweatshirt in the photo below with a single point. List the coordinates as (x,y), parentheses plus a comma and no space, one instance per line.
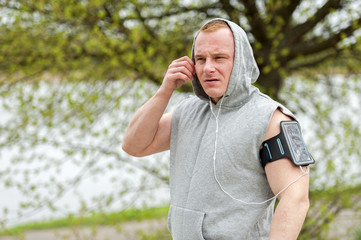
(222,197)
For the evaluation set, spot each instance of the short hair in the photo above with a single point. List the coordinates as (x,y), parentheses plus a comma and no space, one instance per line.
(214,25)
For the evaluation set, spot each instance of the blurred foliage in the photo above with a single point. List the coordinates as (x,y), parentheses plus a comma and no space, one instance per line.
(59,138)
(326,206)
(328,109)
(162,234)
(100,219)
(358,234)
(105,39)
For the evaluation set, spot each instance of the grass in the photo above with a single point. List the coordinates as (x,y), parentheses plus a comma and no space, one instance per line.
(91,220)
(358,234)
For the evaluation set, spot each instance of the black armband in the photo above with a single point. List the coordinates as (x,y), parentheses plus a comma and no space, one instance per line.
(287,144)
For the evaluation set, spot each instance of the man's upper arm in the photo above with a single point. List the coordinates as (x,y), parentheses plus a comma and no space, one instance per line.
(282,172)
(161,141)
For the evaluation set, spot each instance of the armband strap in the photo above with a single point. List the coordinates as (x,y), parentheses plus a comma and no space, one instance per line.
(287,144)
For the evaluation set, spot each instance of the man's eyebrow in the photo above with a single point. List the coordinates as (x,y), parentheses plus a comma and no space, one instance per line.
(220,53)
(213,54)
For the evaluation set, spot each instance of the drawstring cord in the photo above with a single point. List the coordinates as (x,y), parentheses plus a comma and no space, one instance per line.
(215,157)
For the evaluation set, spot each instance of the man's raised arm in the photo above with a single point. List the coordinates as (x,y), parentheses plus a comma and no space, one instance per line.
(149,130)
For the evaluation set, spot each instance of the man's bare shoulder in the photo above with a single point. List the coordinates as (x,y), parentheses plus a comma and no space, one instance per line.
(274,124)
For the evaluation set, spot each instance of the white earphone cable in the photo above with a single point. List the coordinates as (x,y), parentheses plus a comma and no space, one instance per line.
(215,157)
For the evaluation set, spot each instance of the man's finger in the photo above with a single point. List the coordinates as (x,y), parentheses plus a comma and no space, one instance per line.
(185,61)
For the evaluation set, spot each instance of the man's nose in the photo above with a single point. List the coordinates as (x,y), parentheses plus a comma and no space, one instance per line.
(209,66)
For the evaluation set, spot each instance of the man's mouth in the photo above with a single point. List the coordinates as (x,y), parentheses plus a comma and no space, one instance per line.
(211,80)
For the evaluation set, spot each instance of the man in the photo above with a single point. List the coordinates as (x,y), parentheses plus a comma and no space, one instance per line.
(219,188)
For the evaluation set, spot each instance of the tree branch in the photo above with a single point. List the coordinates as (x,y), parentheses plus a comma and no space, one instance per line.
(287,10)
(231,11)
(143,21)
(255,20)
(313,45)
(315,61)
(295,34)
(177,11)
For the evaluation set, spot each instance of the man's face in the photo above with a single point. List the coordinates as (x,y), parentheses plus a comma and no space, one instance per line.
(214,56)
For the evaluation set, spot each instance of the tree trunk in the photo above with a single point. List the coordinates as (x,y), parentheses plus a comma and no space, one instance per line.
(271,83)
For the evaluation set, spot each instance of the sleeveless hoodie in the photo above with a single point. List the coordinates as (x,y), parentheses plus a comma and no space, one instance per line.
(221,198)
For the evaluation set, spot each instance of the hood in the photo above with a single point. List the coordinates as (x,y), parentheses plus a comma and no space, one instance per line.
(245,70)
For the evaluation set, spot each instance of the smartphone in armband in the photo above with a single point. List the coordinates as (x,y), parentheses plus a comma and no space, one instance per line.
(288,143)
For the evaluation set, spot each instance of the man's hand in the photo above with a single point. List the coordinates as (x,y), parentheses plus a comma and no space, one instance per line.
(150,129)
(179,71)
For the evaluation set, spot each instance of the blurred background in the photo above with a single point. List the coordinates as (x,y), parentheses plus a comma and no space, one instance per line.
(72,73)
